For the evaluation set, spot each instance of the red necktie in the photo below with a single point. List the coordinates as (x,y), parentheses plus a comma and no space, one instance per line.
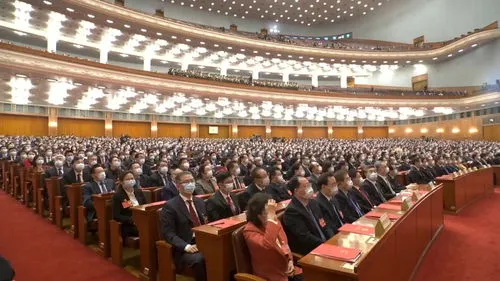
(366,196)
(231,205)
(192,212)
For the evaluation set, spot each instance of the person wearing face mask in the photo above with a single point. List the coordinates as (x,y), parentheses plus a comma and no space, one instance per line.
(77,173)
(13,157)
(316,171)
(277,188)
(184,164)
(385,185)
(260,183)
(48,157)
(4,153)
(69,159)
(304,223)
(327,203)
(141,159)
(39,164)
(297,170)
(28,162)
(115,168)
(99,184)
(360,195)
(177,218)
(223,204)
(371,187)
(205,184)
(58,169)
(415,175)
(350,209)
(141,180)
(126,197)
(234,169)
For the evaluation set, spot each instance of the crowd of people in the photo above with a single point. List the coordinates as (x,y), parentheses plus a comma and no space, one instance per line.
(389,92)
(328,182)
(233,79)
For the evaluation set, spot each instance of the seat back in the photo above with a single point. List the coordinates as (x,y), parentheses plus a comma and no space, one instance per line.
(241,253)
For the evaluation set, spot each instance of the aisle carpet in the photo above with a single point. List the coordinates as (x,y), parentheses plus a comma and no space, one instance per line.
(40,252)
(468,248)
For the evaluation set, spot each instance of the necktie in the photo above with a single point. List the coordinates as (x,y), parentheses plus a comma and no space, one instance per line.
(389,185)
(382,198)
(355,205)
(59,172)
(336,213)
(366,196)
(102,187)
(315,222)
(164,180)
(231,205)
(192,212)
(80,178)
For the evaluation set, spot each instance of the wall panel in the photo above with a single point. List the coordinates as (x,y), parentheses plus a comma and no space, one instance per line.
(314,132)
(133,129)
(345,132)
(375,132)
(430,129)
(248,131)
(80,127)
(172,130)
(491,133)
(21,125)
(284,132)
(223,132)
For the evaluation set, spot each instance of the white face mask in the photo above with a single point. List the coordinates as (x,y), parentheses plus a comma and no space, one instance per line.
(101,176)
(141,161)
(117,164)
(39,162)
(92,163)
(79,166)
(164,170)
(185,166)
(210,174)
(138,171)
(237,171)
(229,187)
(372,176)
(349,184)
(309,192)
(58,163)
(129,184)
(189,187)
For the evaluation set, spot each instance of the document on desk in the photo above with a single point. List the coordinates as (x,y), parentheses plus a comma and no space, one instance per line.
(389,206)
(223,223)
(374,214)
(356,228)
(337,253)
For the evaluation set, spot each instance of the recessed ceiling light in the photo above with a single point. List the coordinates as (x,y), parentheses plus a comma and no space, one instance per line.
(408,61)
(255,52)
(188,40)
(91,16)
(164,62)
(230,48)
(21,75)
(126,26)
(124,55)
(174,37)
(202,43)
(51,80)
(159,33)
(77,46)
(461,50)
(143,30)
(101,87)
(473,46)
(420,61)
(47,2)
(434,58)
(450,55)
(109,21)
(216,45)
(77,84)
(70,10)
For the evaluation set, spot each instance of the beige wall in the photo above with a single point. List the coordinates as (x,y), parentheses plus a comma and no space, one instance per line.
(447,127)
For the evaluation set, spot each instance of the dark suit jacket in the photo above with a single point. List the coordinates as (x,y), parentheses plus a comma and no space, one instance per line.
(52,172)
(176,224)
(124,215)
(205,187)
(440,171)
(348,210)
(279,192)
(143,181)
(91,188)
(416,176)
(384,188)
(365,205)
(69,177)
(404,167)
(218,208)
(314,182)
(428,173)
(156,179)
(302,234)
(246,195)
(146,169)
(330,212)
(394,182)
(371,190)
(113,174)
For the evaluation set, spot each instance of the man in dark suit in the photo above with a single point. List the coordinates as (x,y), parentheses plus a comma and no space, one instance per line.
(141,159)
(347,203)
(371,187)
(277,188)
(141,179)
(405,165)
(177,218)
(99,184)
(223,203)
(13,156)
(440,169)
(260,183)
(303,221)
(360,195)
(415,175)
(170,189)
(115,168)
(325,198)
(382,180)
(161,177)
(77,173)
(316,171)
(58,170)
(394,180)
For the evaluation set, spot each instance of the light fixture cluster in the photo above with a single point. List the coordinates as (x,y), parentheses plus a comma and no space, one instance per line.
(306,12)
(58,91)
(20,87)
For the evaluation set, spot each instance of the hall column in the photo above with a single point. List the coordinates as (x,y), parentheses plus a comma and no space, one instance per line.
(299,130)
(360,131)
(330,129)
(268,129)
(234,130)
(154,126)
(52,121)
(314,80)
(108,124)
(194,128)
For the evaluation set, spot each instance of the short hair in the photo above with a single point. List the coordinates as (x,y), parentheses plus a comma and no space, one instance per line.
(273,172)
(378,164)
(181,174)
(256,205)
(123,174)
(231,165)
(323,179)
(6,270)
(94,167)
(293,183)
(340,175)
(352,173)
(295,167)
(256,171)
(77,158)
(222,176)
(201,170)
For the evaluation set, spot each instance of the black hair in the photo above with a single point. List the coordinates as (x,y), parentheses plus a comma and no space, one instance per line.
(256,205)
(222,176)
(323,179)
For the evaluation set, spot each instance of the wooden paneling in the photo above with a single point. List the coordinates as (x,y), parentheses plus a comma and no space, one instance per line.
(430,129)
(80,127)
(491,133)
(21,125)
(345,132)
(223,132)
(375,132)
(314,132)
(133,129)
(284,132)
(249,131)
(172,130)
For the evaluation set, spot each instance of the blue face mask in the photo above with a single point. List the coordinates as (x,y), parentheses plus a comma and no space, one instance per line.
(189,187)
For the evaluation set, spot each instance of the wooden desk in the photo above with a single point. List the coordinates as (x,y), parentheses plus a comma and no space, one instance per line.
(216,246)
(74,192)
(394,256)
(464,189)
(496,174)
(402,179)
(146,219)
(53,185)
(102,205)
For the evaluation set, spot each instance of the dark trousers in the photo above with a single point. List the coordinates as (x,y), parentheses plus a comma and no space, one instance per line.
(298,277)
(194,261)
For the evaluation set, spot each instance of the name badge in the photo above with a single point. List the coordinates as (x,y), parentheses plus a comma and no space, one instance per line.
(126,204)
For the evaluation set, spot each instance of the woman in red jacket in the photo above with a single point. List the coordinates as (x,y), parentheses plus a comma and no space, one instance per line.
(266,240)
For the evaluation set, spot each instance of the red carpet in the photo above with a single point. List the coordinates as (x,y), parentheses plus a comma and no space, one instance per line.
(40,252)
(468,248)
